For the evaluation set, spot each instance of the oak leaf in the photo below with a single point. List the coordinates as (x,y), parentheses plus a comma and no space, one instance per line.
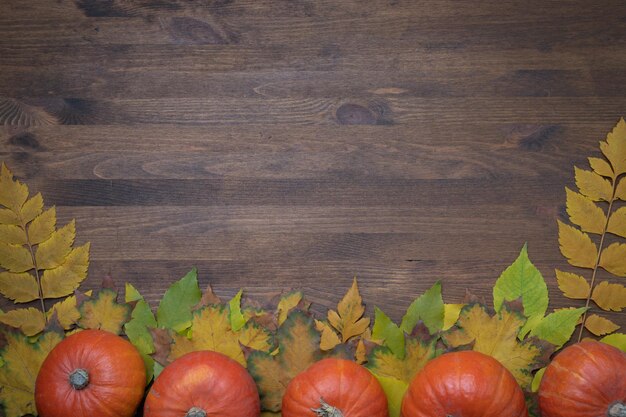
(600,325)
(348,320)
(497,336)
(21,361)
(104,312)
(577,246)
(609,296)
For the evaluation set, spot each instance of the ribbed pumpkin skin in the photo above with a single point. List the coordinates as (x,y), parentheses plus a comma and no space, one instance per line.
(464,384)
(117,377)
(208,380)
(343,384)
(583,380)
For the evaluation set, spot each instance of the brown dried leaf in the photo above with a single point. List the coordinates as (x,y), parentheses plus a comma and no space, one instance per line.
(348,320)
(609,296)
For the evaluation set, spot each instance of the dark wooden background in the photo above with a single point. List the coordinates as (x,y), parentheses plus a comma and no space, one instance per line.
(277,144)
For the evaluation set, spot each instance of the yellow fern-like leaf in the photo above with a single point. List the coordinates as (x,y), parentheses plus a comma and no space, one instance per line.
(573,285)
(617,222)
(609,296)
(601,167)
(12,235)
(593,185)
(29,320)
(577,246)
(15,258)
(52,253)
(13,194)
(613,259)
(20,288)
(42,226)
(66,311)
(600,325)
(66,278)
(329,338)
(584,212)
(615,147)
(620,191)
(31,209)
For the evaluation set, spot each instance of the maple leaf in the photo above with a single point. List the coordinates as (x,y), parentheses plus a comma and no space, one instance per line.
(287,303)
(348,320)
(298,348)
(497,336)
(103,312)
(66,311)
(21,361)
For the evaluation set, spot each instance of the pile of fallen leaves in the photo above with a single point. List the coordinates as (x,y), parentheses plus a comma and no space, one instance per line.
(282,337)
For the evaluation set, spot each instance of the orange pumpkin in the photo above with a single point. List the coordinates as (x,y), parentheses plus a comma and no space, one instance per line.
(334,388)
(464,384)
(201,384)
(587,379)
(92,373)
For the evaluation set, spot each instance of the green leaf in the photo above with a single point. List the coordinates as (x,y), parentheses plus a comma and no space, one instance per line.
(557,327)
(616,339)
(139,335)
(174,311)
(429,308)
(131,294)
(386,330)
(523,280)
(237,320)
(394,390)
(534,387)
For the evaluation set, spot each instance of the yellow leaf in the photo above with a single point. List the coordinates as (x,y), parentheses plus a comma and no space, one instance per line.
(66,311)
(615,147)
(577,246)
(52,252)
(601,167)
(620,191)
(42,226)
(384,363)
(572,285)
(609,296)
(348,320)
(617,222)
(599,325)
(329,338)
(103,312)
(270,378)
(287,303)
(593,185)
(31,208)
(66,278)
(451,314)
(12,234)
(20,288)
(361,352)
(584,212)
(15,258)
(210,330)
(613,259)
(29,320)
(496,336)
(22,360)
(255,337)
(9,217)
(13,193)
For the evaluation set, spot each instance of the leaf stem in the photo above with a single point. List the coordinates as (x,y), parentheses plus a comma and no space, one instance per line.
(595,268)
(32,255)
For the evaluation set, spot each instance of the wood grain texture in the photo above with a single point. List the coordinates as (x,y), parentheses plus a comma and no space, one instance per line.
(278,144)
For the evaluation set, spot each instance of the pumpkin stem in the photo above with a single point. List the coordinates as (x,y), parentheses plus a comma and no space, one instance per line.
(327,410)
(617,409)
(195,412)
(79,379)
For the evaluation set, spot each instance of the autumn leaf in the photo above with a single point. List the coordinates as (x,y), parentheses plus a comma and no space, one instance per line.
(255,337)
(12,235)
(52,252)
(534,387)
(451,314)
(66,311)
(557,328)
(593,185)
(523,280)
(428,307)
(616,339)
(21,362)
(20,287)
(609,296)
(383,361)
(584,212)
(613,259)
(329,338)
(103,312)
(287,303)
(617,222)
(42,226)
(620,191)
(572,285)
(497,336)
(68,276)
(237,320)
(15,258)
(174,310)
(29,320)
(348,320)
(600,325)
(577,246)
(389,333)
(298,348)
(137,328)
(13,194)
(614,148)
(601,167)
